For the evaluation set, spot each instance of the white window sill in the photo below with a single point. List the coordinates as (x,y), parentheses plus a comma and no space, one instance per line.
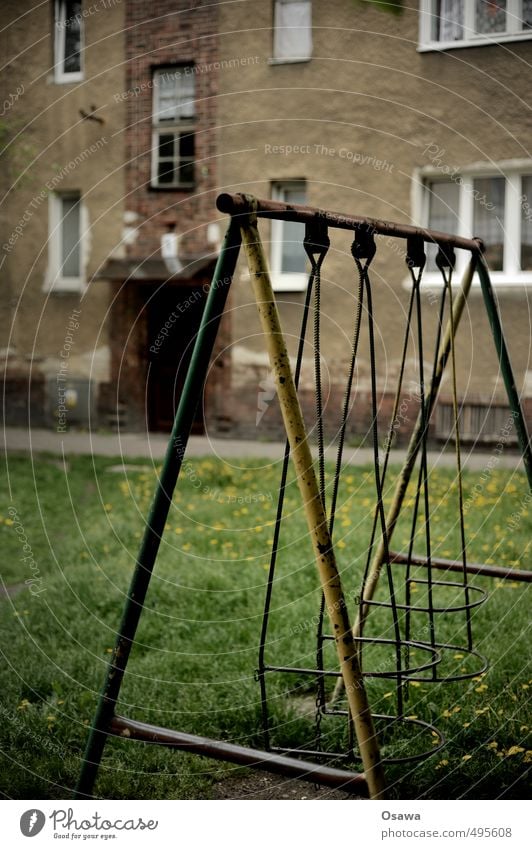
(289,282)
(62,79)
(478,41)
(499,280)
(65,286)
(171,187)
(289,61)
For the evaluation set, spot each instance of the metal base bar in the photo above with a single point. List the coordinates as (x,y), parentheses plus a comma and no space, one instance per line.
(349,782)
(472,568)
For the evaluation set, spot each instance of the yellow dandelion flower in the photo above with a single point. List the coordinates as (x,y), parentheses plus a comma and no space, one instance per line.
(466,757)
(514,750)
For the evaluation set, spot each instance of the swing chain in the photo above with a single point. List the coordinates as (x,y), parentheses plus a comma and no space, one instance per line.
(316,244)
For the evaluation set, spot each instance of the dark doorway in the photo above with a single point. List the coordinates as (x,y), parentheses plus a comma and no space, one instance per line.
(174,315)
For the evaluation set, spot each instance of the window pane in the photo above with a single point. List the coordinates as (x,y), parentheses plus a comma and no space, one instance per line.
(491,16)
(174,94)
(166,145)
(527,14)
(71,26)
(292,37)
(488,217)
(449,20)
(444,198)
(165,172)
(186,173)
(186,145)
(526,224)
(186,94)
(70,237)
(293,256)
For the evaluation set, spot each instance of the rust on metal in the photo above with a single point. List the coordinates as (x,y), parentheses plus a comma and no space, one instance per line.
(341,779)
(457,566)
(238,204)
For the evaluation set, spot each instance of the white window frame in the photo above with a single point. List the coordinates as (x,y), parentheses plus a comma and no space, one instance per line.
(427,12)
(287,60)
(54,280)
(512,170)
(282,281)
(59,45)
(169,128)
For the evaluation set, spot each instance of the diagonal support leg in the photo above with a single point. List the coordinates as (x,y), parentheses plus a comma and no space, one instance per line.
(316,518)
(149,547)
(506,368)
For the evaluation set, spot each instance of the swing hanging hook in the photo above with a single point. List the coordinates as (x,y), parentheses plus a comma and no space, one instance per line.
(415,252)
(446,258)
(316,241)
(364,246)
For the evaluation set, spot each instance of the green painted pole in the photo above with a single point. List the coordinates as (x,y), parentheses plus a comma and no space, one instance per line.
(506,367)
(149,547)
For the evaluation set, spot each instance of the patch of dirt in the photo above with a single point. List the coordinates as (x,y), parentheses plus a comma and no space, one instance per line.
(259,785)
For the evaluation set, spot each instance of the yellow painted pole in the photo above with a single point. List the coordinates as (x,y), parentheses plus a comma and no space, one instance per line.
(314,511)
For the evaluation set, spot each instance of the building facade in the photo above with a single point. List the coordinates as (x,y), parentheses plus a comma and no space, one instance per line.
(133,116)
(61,210)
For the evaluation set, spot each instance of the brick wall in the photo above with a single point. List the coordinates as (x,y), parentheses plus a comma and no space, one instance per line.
(170,32)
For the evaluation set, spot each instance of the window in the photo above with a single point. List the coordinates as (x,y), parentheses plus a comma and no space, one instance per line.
(292,31)
(68,45)
(174,113)
(288,257)
(464,23)
(495,207)
(66,261)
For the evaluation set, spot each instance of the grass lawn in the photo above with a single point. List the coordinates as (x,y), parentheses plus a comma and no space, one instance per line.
(196,653)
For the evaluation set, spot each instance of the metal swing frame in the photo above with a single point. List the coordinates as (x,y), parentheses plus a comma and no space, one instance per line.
(106,721)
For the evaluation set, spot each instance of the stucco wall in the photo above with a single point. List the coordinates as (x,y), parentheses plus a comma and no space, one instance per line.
(56,145)
(368,93)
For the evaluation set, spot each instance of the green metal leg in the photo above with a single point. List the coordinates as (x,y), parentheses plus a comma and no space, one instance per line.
(506,368)
(192,390)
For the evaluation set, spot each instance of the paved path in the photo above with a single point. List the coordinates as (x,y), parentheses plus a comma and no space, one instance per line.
(153,446)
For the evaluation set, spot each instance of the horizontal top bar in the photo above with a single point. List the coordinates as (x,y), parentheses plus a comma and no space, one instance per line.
(239,204)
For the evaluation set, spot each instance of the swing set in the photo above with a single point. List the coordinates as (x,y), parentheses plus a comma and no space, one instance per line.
(389,578)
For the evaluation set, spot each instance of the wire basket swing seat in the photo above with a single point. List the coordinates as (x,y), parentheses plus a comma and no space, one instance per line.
(393,637)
